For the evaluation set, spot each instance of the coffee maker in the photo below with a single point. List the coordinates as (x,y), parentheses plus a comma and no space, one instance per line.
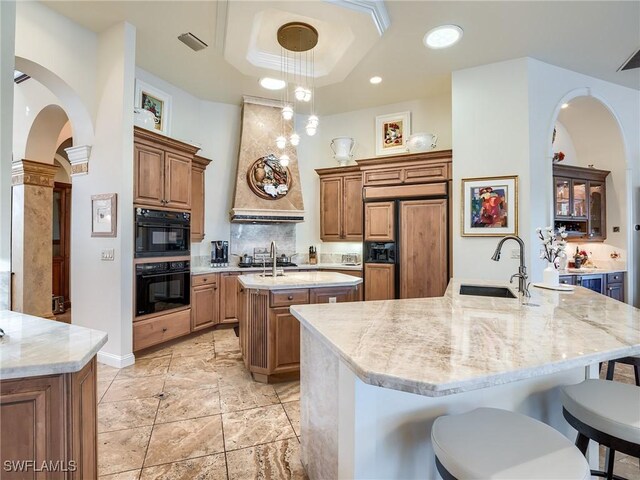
(220,253)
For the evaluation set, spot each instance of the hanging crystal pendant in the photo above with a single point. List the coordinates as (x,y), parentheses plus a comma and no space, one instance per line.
(281,142)
(287,112)
(311,130)
(307,95)
(313,120)
(299,92)
(294,139)
(284,160)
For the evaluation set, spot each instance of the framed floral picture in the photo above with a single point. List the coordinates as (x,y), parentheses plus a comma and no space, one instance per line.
(392,132)
(489,206)
(157,102)
(104,215)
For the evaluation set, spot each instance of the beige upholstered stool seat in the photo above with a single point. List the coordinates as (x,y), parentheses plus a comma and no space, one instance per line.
(489,443)
(610,407)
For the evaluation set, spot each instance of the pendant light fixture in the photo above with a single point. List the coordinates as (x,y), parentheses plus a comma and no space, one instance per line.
(297,41)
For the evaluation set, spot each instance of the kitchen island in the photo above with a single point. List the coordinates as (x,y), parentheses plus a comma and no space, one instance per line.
(375,375)
(269,334)
(48,398)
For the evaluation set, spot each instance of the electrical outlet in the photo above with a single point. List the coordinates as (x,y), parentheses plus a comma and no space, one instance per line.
(107,255)
(515,254)
(332,300)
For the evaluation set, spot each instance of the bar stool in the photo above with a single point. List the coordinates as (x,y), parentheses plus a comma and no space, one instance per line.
(605,412)
(488,443)
(635,361)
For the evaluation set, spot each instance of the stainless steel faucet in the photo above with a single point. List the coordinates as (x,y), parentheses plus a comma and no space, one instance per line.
(523,286)
(273,255)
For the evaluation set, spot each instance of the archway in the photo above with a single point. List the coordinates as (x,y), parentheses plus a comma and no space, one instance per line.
(588,133)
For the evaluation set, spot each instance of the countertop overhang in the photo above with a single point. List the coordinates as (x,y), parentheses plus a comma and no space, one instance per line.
(299,280)
(259,268)
(455,343)
(34,346)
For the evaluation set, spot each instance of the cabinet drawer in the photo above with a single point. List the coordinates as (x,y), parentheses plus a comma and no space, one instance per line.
(423,173)
(160,329)
(616,277)
(285,298)
(390,176)
(205,279)
(567,280)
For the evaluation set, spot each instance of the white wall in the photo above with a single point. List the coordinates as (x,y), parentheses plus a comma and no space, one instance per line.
(491,138)
(432,114)
(7,35)
(503,117)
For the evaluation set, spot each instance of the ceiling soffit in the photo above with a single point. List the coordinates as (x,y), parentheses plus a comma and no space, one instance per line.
(345,37)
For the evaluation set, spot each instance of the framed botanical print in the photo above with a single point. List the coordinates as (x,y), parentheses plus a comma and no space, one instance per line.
(489,206)
(157,102)
(104,215)
(392,132)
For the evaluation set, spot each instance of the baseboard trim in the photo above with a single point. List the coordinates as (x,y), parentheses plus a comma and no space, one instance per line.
(116,361)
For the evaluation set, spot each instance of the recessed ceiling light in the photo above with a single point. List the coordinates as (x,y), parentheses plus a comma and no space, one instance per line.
(564,105)
(375,80)
(272,83)
(443,36)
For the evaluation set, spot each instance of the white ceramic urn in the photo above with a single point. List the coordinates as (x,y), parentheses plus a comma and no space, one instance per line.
(144,118)
(343,149)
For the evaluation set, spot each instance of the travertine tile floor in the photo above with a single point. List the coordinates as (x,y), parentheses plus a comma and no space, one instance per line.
(190,411)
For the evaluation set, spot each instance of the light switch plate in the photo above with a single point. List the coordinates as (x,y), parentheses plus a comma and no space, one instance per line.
(107,255)
(332,300)
(515,254)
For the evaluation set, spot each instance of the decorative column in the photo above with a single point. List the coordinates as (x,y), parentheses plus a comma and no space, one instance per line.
(31,236)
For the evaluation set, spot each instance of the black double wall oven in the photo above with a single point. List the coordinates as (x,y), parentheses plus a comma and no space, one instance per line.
(162,247)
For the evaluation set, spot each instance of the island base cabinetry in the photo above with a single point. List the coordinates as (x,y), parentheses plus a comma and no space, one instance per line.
(270,334)
(50,422)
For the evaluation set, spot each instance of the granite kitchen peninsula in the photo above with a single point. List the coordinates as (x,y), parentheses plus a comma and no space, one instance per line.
(375,375)
(269,334)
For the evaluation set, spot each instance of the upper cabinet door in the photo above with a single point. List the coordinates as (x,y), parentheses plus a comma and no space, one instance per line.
(379,222)
(177,185)
(563,196)
(330,209)
(597,211)
(352,207)
(149,175)
(580,206)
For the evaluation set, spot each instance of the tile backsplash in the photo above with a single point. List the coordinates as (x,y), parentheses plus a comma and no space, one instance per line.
(247,236)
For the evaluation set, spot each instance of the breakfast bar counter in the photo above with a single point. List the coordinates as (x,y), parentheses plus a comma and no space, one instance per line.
(375,375)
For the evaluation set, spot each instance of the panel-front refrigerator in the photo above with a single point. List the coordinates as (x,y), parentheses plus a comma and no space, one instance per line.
(406,247)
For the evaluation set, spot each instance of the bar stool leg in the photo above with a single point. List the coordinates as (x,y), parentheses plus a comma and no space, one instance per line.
(582,442)
(610,460)
(610,368)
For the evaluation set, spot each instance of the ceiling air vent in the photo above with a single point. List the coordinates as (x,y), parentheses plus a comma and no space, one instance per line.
(19,77)
(632,62)
(193,42)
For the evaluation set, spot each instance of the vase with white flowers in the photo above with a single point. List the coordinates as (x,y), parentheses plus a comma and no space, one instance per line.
(554,245)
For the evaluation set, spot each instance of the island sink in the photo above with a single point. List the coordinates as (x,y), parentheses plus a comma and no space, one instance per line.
(482,291)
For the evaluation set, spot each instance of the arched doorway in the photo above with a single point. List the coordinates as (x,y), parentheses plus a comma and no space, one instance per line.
(588,135)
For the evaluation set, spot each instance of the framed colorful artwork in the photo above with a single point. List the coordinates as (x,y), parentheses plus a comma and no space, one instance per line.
(104,215)
(157,102)
(489,206)
(392,132)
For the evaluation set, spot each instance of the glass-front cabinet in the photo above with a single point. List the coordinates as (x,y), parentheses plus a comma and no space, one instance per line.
(580,201)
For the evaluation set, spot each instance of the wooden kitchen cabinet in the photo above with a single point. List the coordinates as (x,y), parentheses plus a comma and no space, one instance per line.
(285,340)
(49,419)
(379,222)
(162,170)
(198,167)
(580,201)
(229,297)
(379,281)
(340,204)
(205,301)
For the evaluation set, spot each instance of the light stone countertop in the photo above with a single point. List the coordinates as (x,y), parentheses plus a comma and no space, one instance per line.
(319,266)
(455,343)
(590,271)
(299,280)
(34,346)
